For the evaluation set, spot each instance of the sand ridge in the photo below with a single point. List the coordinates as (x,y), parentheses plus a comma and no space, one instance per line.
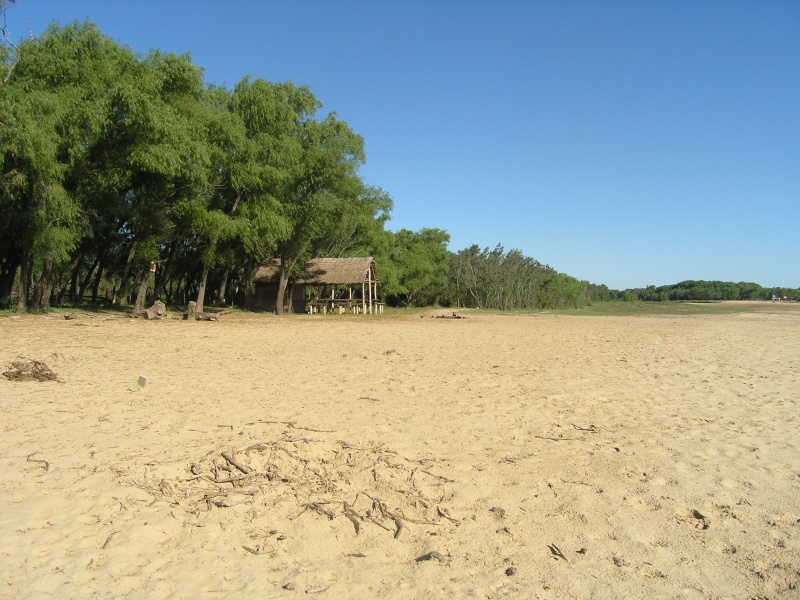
(404,457)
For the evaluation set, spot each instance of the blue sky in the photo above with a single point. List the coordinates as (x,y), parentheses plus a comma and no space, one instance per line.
(622,142)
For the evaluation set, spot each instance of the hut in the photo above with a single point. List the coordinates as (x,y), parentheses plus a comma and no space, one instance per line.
(321,285)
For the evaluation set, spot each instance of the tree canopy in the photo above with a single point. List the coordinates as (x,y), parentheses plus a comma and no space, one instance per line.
(710,290)
(111,162)
(125,177)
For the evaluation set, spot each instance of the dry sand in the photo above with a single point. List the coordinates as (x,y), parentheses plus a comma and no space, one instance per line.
(403,457)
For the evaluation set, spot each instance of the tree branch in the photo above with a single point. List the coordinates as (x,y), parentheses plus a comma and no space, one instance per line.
(4,31)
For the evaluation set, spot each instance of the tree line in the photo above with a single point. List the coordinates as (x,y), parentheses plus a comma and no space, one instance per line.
(125,178)
(709,290)
(114,164)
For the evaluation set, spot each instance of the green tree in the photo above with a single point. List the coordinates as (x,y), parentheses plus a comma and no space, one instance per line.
(37,119)
(323,183)
(420,266)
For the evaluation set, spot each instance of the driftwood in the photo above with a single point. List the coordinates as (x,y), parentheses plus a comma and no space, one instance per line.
(157,311)
(433,555)
(108,539)
(193,315)
(268,472)
(556,552)
(206,316)
(71,316)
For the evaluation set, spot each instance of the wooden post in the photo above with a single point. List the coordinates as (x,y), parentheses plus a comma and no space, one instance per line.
(363,298)
(369,285)
(191,311)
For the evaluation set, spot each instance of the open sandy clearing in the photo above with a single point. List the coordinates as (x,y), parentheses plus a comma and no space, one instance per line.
(404,457)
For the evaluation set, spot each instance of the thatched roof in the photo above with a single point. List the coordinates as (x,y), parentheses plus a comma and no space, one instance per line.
(324,271)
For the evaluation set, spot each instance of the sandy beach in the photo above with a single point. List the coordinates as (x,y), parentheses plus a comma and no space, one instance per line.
(493,456)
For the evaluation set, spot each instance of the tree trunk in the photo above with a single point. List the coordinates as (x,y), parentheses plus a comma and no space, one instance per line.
(142,293)
(122,294)
(176,290)
(85,282)
(286,266)
(8,272)
(201,291)
(24,283)
(157,311)
(249,275)
(290,299)
(160,286)
(71,281)
(43,287)
(97,279)
(223,287)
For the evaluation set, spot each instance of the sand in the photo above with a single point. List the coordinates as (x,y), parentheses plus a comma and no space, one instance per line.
(538,456)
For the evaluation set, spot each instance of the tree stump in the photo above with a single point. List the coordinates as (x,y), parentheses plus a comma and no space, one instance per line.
(191,311)
(157,311)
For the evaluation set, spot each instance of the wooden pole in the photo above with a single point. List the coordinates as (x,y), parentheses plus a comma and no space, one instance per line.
(363,299)
(369,284)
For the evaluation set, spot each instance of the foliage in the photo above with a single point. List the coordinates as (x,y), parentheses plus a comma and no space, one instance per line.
(711,290)
(511,281)
(113,164)
(413,267)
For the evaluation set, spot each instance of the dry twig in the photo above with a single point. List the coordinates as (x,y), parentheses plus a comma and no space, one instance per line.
(37,460)
(556,552)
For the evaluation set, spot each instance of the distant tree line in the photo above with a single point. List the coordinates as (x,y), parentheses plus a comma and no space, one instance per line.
(709,290)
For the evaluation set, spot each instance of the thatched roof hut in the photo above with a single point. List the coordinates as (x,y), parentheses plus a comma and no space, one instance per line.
(319,272)
(339,271)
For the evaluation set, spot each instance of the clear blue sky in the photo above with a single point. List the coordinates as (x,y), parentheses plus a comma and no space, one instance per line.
(623,142)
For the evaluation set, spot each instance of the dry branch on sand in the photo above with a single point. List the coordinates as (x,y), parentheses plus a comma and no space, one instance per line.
(367,485)
(192,314)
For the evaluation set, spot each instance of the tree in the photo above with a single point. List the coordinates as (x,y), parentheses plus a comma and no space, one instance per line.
(356,227)
(321,183)
(37,117)
(497,279)
(420,263)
